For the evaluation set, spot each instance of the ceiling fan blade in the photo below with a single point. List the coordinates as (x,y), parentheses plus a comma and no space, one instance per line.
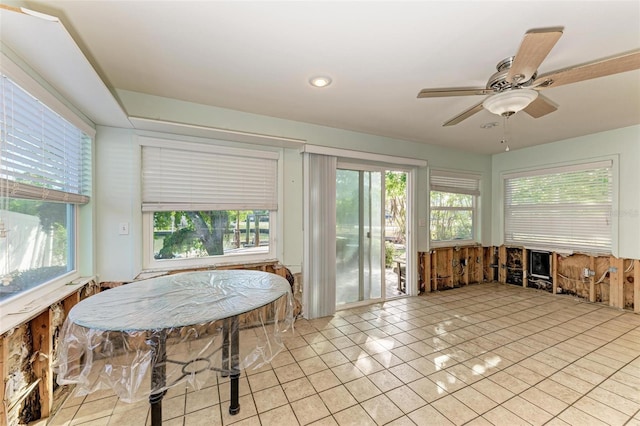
(600,68)
(453,91)
(534,48)
(463,116)
(540,107)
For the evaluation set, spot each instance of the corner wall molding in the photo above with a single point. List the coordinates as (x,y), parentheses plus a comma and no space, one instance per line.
(176,128)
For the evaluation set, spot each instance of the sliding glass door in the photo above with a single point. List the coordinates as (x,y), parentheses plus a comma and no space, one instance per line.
(359,235)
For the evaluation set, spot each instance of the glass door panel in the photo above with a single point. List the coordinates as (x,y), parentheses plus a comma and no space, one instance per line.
(359,236)
(347,236)
(396,233)
(376,234)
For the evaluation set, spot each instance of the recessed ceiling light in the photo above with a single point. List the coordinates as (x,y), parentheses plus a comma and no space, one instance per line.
(320,81)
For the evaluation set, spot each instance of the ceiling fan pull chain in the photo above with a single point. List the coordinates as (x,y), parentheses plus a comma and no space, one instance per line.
(505,129)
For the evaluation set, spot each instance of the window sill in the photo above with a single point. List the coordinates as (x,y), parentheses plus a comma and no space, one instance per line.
(28,306)
(249,264)
(207,262)
(452,243)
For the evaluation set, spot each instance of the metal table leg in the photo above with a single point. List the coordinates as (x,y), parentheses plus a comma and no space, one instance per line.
(158,377)
(234,407)
(225,347)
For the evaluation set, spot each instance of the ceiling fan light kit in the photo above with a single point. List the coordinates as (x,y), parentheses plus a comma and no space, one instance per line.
(510,102)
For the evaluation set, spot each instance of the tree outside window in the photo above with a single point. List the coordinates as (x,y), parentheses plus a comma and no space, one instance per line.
(454,199)
(451,216)
(193,234)
(396,204)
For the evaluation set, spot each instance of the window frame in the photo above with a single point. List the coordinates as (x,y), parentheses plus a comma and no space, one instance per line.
(33,300)
(453,182)
(150,264)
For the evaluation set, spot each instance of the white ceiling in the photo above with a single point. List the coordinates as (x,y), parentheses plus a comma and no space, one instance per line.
(258,57)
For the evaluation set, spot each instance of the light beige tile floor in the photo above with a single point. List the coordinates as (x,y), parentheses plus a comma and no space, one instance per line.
(479,355)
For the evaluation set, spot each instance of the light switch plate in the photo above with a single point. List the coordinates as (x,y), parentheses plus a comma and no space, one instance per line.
(123,229)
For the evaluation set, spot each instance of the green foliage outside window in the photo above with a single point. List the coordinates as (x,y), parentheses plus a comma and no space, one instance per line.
(396,203)
(189,234)
(451,216)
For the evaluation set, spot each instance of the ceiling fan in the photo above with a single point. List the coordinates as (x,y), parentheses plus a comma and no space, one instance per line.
(515,85)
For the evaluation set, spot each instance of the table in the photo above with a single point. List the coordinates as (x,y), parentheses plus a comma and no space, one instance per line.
(117,338)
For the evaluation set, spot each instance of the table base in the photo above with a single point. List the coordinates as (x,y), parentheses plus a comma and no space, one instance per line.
(230,368)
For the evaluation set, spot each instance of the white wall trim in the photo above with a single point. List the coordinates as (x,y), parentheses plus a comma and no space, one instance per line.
(361,155)
(175,128)
(61,64)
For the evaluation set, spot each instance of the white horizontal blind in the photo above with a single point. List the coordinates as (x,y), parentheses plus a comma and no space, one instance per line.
(459,183)
(43,155)
(191,179)
(566,208)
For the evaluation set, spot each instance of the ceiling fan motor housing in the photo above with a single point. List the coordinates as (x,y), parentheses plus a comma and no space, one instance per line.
(498,81)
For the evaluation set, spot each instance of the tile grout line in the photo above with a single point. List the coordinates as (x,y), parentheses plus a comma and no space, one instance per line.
(448,393)
(636,414)
(585,395)
(571,363)
(528,356)
(488,332)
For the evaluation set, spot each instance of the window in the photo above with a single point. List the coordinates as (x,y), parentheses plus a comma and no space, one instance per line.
(206,204)
(44,177)
(453,201)
(562,208)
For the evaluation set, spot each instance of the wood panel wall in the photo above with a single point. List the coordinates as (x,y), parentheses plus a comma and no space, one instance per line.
(449,267)
(610,280)
(26,356)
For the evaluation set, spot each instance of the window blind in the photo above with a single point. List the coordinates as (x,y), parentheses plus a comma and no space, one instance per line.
(459,183)
(566,208)
(319,235)
(189,177)
(43,155)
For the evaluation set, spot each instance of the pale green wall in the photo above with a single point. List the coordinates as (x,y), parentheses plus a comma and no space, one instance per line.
(623,145)
(119,258)
(118,175)
(117,194)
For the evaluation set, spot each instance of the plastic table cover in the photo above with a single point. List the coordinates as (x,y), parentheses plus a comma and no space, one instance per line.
(109,340)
